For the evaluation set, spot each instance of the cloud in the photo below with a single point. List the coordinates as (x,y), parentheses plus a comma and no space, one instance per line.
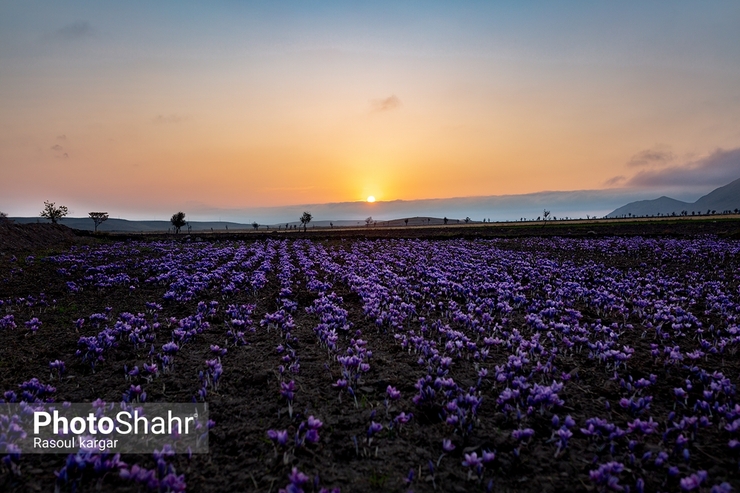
(61,137)
(615,180)
(65,155)
(292,189)
(717,169)
(387,104)
(76,30)
(161,119)
(651,157)
(57,147)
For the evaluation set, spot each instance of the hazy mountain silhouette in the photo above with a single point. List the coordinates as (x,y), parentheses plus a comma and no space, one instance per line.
(726,198)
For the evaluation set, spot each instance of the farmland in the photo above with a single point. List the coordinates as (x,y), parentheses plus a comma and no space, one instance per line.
(389,364)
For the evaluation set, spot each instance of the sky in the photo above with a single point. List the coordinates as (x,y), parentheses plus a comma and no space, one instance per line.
(142,109)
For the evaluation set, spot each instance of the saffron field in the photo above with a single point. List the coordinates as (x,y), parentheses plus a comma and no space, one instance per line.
(537,364)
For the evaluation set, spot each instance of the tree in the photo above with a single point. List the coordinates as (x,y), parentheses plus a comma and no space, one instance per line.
(305,219)
(445,219)
(545,215)
(406,221)
(98,218)
(256,225)
(369,220)
(178,221)
(53,213)
(467,220)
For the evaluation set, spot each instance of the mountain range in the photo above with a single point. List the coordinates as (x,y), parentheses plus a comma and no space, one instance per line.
(565,204)
(722,199)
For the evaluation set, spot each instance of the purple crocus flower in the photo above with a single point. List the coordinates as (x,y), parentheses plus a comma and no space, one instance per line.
(694,481)
(447,445)
(287,390)
(218,350)
(312,436)
(170,348)
(34,324)
(314,423)
(721,488)
(393,394)
(472,460)
(297,477)
(374,428)
(279,437)
(564,434)
(57,365)
(522,435)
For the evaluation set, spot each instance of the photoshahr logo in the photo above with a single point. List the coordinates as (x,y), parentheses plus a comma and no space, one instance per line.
(110,428)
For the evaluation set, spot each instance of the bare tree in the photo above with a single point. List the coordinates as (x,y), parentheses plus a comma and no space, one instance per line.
(256,225)
(545,215)
(369,220)
(178,221)
(98,218)
(305,219)
(467,220)
(53,213)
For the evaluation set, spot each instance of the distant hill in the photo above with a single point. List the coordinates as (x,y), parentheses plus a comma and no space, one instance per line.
(721,199)
(573,204)
(126,226)
(726,198)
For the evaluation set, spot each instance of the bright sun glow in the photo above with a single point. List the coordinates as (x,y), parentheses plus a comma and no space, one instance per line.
(371,199)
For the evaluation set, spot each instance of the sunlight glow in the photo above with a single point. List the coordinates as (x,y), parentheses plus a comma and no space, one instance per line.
(371,199)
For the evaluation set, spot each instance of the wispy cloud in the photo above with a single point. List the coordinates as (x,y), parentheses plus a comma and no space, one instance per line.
(76,30)
(173,118)
(59,152)
(387,104)
(615,180)
(293,189)
(61,137)
(658,156)
(719,168)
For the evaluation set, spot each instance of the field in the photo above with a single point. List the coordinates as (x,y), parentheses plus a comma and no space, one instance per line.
(532,363)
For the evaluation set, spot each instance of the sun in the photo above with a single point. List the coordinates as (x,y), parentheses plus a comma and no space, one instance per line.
(371,199)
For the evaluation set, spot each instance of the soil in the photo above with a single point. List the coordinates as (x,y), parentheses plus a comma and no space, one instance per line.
(19,238)
(247,403)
